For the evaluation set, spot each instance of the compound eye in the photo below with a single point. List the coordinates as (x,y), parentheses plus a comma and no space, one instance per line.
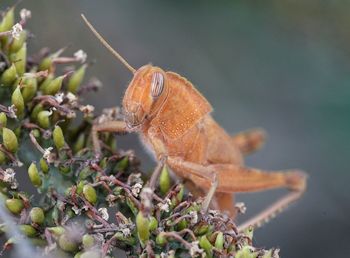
(157,84)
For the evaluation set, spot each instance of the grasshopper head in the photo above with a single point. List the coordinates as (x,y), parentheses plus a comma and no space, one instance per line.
(145,95)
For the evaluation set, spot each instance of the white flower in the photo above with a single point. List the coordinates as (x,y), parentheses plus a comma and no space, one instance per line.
(59,97)
(194,217)
(126,232)
(241,208)
(9,175)
(71,97)
(136,189)
(165,206)
(25,14)
(104,213)
(80,55)
(47,155)
(88,109)
(195,250)
(16,30)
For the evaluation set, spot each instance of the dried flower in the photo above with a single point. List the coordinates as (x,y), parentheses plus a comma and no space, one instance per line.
(16,30)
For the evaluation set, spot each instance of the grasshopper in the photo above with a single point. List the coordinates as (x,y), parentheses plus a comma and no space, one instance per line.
(174,121)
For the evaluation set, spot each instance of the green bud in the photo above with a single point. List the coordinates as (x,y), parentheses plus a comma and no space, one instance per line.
(85,173)
(132,206)
(201,229)
(36,133)
(58,137)
(142,225)
(161,239)
(14,205)
(79,144)
(57,231)
(64,169)
(8,20)
(103,163)
(9,76)
(44,119)
(219,241)
(44,166)
(122,164)
(164,180)
(67,244)
(2,158)
(80,187)
(45,64)
(90,194)
(20,59)
(206,245)
(153,223)
(3,120)
(18,101)
(182,225)
(54,86)
(35,111)
(34,175)
(9,139)
(29,89)
(17,131)
(88,241)
(43,86)
(37,215)
(17,43)
(91,254)
(28,230)
(76,79)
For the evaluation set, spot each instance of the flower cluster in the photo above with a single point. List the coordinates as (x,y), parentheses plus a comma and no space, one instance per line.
(87,206)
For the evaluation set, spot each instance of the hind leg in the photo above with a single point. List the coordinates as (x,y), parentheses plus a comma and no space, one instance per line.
(249,141)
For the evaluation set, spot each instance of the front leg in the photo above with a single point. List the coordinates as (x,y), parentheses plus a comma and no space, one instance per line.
(110,126)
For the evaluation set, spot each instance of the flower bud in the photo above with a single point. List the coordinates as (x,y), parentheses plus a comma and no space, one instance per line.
(57,231)
(122,164)
(91,254)
(80,187)
(67,244)
(44,119)
(17,43)
(9,139)
(3,120)
(90,194)
(14,205)
(35,111)
(164,180)
(9,76)
(44,166)
(58,137)
(142,225)
(18,101)
(161,239)
(79,144)
(45,64)
(268,254)
(29,89)
(206,245)
(54,86)
(28,230)
(20,59)
(46,82)
(34,175)
(88,241)
(153,223)
(245,252)
(64,169)
(37,215)
(219,241)
(8,20)
(76,79)
(2,158)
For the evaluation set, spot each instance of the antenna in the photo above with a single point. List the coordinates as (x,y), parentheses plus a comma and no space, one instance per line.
(104,42)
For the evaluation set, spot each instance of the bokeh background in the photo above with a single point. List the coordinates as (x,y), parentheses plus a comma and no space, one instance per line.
(280,65)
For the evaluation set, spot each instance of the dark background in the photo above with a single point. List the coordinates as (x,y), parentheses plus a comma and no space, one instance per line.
(280,65)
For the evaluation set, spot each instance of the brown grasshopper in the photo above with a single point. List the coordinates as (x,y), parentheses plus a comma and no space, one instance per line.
(175,123)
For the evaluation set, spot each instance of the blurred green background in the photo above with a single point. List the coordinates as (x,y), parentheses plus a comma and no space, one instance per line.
(280,65)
